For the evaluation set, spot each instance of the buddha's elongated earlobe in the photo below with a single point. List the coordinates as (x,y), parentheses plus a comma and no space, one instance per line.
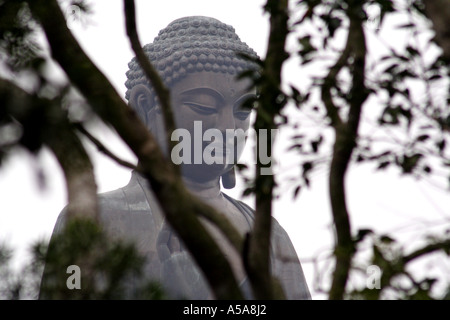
(229,179)
(140,101)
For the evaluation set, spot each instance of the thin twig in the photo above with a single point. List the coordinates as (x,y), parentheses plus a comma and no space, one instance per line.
(329,82)
(101,147)
(443,245)
(162,92)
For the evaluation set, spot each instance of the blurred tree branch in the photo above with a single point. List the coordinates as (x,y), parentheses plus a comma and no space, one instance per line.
(152,75)
(58,135)
(346,133)
(439,13)
(257,263)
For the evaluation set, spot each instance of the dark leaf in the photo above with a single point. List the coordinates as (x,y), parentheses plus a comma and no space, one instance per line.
(423,137)
(362,234)
(297,146)
(306,167)
(248,191)
(391,68)
(241,166)
(408,163)
(412,51)
(435,77)
(316,143)
(386,239)
(296,191)
(384,164)
(427,169)
(406,26)
(441,145)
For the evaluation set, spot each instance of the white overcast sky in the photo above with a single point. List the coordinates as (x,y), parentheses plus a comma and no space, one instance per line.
(381,201)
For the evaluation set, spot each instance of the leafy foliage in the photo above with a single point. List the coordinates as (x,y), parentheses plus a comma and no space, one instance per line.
(403,120)
(107,268)
(392,79)
(396,281)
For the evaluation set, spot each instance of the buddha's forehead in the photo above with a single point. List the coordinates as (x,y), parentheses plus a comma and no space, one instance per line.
(226,84)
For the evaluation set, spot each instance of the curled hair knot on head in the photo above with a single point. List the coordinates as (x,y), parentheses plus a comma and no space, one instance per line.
(192,44)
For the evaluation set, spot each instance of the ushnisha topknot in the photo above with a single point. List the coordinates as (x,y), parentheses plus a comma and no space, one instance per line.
(192,44)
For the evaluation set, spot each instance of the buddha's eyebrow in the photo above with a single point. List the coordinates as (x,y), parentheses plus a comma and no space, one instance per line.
(205,90)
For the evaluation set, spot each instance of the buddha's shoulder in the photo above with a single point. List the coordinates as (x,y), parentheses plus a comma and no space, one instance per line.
(122,202)
(248,210)
(113,200)
(131,198)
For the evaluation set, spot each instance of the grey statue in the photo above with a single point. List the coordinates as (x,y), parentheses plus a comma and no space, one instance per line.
(197,59)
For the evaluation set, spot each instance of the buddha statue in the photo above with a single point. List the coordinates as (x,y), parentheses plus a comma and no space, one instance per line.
(197,59)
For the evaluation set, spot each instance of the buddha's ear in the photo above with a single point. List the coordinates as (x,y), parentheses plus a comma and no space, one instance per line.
(141,101)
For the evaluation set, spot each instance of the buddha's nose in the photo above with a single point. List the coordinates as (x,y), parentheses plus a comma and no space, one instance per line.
(226,120)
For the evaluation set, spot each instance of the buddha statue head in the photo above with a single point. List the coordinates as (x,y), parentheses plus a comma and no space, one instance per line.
(199,60)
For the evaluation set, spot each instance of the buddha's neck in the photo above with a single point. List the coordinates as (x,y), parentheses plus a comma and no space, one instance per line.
(209,189)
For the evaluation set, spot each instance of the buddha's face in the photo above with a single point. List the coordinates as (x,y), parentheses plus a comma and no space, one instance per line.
(209,114)
(208,107)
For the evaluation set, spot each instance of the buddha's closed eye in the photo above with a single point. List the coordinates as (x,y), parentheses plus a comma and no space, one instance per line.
(242,114)
(200,108)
